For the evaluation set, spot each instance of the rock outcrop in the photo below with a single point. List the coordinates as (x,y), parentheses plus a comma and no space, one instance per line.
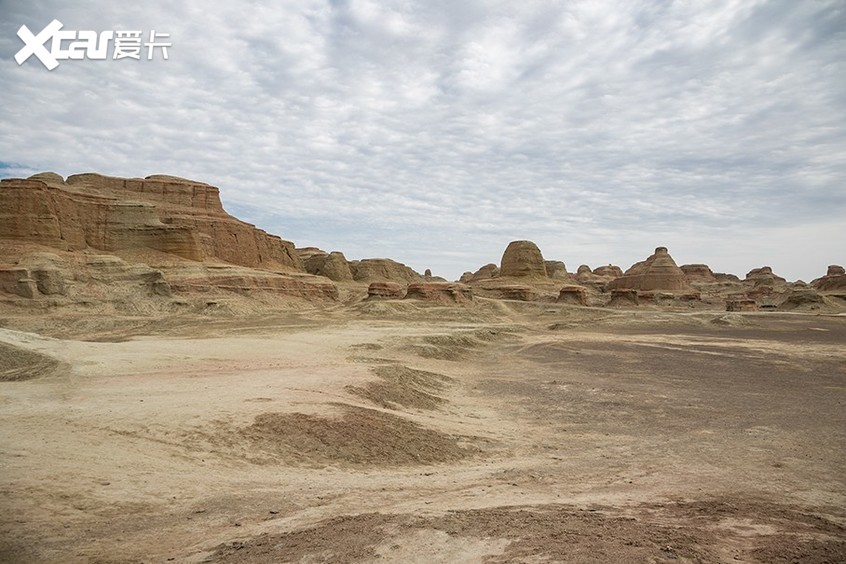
(764,275)
(485,273)
(385,291)
(659,272)
(383,270)
(180,217)
(440,292)
(333,266)
(610,271)
(834,280)
(698,273)
(523,259)
(573,295)
(623,298)
(556,269)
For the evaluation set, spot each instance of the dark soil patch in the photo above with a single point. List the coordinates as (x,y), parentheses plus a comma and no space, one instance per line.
(18,364)
(400,386)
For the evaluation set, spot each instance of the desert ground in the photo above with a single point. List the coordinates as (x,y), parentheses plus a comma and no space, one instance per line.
(400,432)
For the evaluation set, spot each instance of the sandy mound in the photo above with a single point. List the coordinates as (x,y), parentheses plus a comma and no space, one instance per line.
(20,364)
(454,346)
(359,437)
(401,386)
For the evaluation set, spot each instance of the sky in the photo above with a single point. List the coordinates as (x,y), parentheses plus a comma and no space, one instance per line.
(435,132)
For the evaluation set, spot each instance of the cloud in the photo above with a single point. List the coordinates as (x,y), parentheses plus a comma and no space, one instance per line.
(435,132)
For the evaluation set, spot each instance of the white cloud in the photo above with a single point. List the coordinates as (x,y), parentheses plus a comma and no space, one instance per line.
(435,132)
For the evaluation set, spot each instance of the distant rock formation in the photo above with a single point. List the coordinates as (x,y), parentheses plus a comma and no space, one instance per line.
(573,295)
(440,292)
(610,271)
(834,279)
(659,272)
(383,270)
(801,299)
(740,303)
(556,269)
(172,215)
(523,258)
(385,291)
(764,275)
(623,298)
(333,266)
(485,273)
(698,273)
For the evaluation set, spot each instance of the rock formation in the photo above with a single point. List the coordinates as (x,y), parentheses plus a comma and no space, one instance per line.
(698,273)
(801,299)
(740,302)
(764,275)
(485,273)
(574,295)
(172,215)
(610,271)
(623,298)
(333,266)
(834,280)
(385,291)
(440,292)
(659,272)
(383,270)
(556,269)
(523,258)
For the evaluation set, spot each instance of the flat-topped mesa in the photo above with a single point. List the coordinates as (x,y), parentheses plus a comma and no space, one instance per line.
(523,259)
(383,270)
(658,272)
(180,217)
(764,275)
(698,273)
(156,188)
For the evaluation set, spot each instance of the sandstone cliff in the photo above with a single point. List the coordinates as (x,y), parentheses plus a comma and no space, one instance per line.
(172,215)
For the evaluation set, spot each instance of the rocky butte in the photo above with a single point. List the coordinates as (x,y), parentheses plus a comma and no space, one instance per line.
(163,243)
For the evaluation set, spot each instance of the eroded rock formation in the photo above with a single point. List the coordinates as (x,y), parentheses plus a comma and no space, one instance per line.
(834,280)
(659,272)
(523,258)
(383,270)
(385,291)
(440,292)
(172,215)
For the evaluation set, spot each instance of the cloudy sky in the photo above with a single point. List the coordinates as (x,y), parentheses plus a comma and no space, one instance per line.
(435,132)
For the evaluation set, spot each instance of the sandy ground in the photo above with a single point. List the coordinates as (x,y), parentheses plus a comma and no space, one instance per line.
(552,434)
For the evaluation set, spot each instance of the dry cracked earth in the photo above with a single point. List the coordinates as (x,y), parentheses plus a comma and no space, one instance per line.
(551,434)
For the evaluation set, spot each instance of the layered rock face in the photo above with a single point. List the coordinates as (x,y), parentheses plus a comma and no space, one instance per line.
(556,269)
(574,295)
(333,266)
(659,272)
(764,275)
(485,273)
(440,292)
(385,291)
(610,271)
(834,280)
(180,217)
(383,270)
(523,258)
(698,273)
